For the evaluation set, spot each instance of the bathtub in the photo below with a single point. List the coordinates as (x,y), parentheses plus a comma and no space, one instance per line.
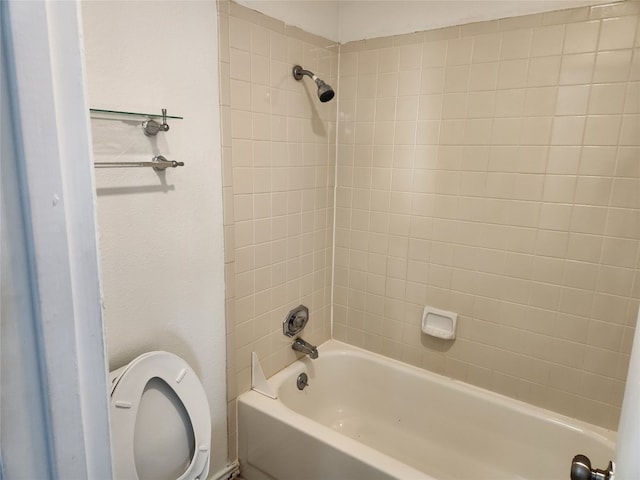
(364,416)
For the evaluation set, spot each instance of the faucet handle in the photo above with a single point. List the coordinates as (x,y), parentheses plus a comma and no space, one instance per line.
(295,321)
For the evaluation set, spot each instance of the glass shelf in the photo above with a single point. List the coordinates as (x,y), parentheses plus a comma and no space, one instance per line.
(118,113)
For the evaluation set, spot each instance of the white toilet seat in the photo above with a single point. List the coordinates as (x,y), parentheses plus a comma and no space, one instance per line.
(127,388)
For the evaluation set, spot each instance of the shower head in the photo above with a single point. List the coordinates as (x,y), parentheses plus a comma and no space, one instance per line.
(325,92)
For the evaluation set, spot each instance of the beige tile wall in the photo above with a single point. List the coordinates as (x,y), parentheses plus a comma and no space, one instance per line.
(278,174)
(493,169)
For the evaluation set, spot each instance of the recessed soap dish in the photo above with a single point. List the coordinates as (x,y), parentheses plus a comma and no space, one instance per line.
(439,323)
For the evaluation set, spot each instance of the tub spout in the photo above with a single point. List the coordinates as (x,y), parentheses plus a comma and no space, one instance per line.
(299,345)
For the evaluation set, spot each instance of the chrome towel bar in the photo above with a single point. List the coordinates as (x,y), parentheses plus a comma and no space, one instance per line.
(159,164)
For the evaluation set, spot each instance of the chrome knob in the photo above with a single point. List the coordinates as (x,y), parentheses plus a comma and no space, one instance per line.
(295,321)
(302,381)
(581,470)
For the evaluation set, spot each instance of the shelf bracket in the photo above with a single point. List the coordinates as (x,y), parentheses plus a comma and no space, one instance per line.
(151,127)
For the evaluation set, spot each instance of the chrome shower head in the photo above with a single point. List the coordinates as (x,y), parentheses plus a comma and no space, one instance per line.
(325,92)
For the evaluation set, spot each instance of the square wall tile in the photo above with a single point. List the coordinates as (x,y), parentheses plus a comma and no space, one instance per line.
(581,37)
(617,33)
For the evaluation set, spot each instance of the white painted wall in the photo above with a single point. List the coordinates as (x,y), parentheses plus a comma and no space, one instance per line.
(348,20)
(160,235)
(320,17)
(370,19)
(627,460)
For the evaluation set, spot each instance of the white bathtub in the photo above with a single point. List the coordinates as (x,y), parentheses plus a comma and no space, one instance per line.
(364,417)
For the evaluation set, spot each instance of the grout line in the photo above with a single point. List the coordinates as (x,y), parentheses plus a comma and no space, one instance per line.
(335,198)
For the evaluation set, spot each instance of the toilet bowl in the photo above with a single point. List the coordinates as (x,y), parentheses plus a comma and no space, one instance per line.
(160,420)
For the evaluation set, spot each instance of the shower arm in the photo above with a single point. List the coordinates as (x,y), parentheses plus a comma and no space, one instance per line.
(299,72)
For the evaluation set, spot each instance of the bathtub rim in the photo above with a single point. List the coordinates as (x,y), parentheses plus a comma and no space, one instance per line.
(335,348)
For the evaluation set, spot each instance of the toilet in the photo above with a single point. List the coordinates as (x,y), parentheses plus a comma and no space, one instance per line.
(160,420)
